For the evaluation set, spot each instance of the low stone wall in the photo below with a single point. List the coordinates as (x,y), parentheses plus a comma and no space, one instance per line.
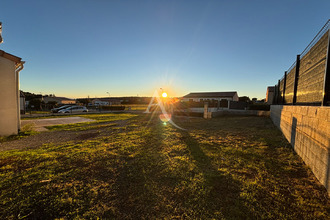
(201,109)
(240,112)
(307,128)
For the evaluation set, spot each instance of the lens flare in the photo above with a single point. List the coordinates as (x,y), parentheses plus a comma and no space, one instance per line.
(165,117)
(157,105)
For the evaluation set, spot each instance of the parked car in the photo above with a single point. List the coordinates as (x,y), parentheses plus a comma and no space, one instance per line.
(74,109)
(55,110)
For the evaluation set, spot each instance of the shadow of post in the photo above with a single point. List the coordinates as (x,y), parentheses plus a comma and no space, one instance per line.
(293,132)
(223,191)
(135,193)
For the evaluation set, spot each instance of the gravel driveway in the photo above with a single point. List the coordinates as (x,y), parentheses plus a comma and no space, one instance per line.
(40,124)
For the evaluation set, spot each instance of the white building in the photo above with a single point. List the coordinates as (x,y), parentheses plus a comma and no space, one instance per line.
(270,95)
(10,66)
(210,96)
(98,102)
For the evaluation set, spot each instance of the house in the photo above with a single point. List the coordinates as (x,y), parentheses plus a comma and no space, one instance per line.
(99,102)
(58,100)
(10,66)
(210,96)
(107,101)
(270,94)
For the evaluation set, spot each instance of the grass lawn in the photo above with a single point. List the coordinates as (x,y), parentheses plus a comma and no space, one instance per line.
(224,168)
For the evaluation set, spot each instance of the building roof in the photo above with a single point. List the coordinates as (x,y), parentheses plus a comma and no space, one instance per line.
(210,94)
(10,57)
(57,98)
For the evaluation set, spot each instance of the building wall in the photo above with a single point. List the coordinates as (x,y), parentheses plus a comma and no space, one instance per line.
(235,98)
(204,99)
(98,102)
(9,98)
(269,97)
(66,102)
(307,128)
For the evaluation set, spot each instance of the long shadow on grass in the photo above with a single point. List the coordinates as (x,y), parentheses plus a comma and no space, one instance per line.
(135,196)
(223,192)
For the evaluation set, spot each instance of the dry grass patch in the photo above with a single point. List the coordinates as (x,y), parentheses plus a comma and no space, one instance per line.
(225,168)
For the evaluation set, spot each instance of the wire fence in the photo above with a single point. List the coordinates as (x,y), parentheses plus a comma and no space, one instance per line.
(307,80)
(318,36)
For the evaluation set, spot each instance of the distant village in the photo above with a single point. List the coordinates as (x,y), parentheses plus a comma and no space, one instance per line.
(39,102)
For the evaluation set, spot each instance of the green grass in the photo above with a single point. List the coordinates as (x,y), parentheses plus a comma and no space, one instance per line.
(38,112)
(26,131)
(224,168)
(137,107)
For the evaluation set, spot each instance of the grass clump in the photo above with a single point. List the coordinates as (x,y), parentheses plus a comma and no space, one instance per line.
(26,130)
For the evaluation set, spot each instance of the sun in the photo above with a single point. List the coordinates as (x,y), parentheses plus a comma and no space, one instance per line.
(164,95)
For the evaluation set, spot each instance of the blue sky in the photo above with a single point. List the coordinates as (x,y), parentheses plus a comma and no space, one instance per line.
(80,48)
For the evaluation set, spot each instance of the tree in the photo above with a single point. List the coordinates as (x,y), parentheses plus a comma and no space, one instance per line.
(36,104)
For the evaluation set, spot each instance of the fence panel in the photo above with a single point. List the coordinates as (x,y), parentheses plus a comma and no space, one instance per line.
(311,72)
(289,86)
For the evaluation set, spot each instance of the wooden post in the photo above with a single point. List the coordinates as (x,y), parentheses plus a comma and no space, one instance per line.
(326,85)
(206,109)
(284,86)
(296,78)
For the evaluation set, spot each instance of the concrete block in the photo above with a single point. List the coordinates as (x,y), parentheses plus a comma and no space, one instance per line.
(323,113)
(311,140)
(303,110)
(312,111)
(324,127)
(305,125)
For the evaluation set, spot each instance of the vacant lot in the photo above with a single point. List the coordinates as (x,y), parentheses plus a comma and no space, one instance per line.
(132,167)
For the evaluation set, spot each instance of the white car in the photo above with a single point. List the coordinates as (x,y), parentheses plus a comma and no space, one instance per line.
(74,109)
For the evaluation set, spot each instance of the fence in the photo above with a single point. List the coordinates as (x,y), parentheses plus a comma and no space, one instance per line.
(307,81)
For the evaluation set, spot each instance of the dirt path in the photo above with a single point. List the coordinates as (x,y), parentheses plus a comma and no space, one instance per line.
(58,137)
(40,124)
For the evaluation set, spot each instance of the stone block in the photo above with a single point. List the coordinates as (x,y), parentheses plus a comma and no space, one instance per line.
(305,125)
(303,110)
(312,111)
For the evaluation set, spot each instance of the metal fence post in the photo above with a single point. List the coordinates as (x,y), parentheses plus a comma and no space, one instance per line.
(275,95)
(284,86)
(279,92)
(326,85)
(296,78)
